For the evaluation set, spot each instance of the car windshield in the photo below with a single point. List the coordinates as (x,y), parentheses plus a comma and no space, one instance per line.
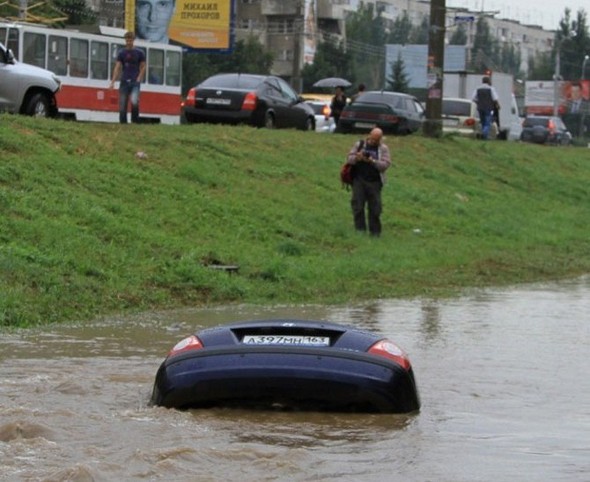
(232,82)
(456,107)
(536,121)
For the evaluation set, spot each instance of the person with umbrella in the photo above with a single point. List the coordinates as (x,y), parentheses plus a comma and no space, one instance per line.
(338,103)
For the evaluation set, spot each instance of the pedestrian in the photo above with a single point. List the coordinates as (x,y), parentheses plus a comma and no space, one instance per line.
(338,103)
(487,101)
(130,68)
(370,159)
(360,90)
(152,19)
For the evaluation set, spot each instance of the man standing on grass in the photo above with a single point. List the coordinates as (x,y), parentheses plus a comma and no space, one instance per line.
(130,67)
(370,159)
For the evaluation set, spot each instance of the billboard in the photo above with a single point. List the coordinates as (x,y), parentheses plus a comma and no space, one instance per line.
(310,31)
(570,97)
(195,25)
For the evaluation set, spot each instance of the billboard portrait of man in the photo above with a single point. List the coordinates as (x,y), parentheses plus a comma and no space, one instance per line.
(195,24)
(152,19)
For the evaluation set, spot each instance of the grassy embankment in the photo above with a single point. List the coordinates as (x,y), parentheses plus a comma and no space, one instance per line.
(87,228)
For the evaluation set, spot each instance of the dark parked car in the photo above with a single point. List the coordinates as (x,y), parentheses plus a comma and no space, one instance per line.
(257,100)
(543,129)
(394,112)
(290,364)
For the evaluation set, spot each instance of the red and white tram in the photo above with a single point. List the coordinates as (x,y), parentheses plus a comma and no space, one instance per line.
(84,63)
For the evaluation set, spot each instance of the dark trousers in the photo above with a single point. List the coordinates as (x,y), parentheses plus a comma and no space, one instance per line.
(366,193)
(128,91)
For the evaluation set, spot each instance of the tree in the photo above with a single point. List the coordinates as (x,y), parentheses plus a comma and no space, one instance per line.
(398,82)
(401,30)
(248,56)
(365,44)
(421,33)
(77,11)
(484,53)
(459,36)
(330,61)
(573,42)
(542,66)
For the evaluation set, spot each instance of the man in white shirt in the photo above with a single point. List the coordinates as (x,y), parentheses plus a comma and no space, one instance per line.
(486,98)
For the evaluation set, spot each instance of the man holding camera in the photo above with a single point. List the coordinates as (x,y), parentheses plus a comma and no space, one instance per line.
(370,159)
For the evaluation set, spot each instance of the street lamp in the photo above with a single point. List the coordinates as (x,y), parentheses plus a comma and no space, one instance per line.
(586,57)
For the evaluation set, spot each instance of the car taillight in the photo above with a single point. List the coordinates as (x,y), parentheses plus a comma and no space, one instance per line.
(189,343)
(389,118)
(326,111)
(250,101)
(470,122)
(391,351)
(191,97)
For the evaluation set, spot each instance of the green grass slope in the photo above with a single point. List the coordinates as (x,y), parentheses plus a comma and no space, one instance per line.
(89,228)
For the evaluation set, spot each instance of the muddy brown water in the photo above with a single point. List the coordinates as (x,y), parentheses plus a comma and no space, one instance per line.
(503,377)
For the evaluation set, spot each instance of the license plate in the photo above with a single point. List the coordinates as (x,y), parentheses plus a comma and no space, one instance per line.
(214,101)
(286,340)
(364,125)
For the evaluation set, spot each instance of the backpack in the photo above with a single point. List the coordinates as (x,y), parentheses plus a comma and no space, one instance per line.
(346,169)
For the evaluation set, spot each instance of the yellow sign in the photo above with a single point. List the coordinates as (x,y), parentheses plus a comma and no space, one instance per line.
(202,24)
(130,15)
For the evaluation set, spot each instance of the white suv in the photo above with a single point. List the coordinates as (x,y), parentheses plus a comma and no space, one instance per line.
(26,89)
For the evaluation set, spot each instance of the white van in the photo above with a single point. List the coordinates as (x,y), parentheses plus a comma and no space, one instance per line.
(26,89)
(515,121)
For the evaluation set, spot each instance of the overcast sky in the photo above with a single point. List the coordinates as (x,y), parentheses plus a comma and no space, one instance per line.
(546,13)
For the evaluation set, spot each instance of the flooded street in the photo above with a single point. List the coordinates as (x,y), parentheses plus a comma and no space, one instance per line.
(502,374)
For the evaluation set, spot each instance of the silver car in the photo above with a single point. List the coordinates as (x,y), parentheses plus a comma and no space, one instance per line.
(26,89)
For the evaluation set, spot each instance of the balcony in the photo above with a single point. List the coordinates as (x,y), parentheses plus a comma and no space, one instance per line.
(329,10)
(281,7)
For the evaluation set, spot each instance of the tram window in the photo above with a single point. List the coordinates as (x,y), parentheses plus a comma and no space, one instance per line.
(99,60)
(144,50)
(34,49)
(114,52)
(173,68)
(156,66)
(79,58)
(57,58)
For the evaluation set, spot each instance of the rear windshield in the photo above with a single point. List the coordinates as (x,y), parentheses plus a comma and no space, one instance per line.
(456,107)
(535,121)
(379,97)
(232,82)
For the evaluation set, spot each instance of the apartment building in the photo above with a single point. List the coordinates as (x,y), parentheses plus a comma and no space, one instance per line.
(284,26)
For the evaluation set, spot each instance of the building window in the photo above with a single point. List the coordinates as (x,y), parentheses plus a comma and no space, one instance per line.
(285,55)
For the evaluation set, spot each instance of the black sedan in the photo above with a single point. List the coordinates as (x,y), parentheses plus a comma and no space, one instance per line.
(257,100)
(543,129)
(290,364)
(393,112)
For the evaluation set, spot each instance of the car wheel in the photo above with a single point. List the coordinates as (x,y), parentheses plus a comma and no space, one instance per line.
(38,106)
(309,124)
(269,120)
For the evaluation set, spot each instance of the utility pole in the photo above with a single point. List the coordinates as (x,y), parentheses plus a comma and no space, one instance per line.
(436,67)
(298,35)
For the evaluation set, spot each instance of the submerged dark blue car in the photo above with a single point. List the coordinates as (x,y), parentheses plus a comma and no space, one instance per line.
(290,364)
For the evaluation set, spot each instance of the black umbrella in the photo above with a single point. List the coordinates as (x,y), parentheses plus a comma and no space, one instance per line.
(332,82)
